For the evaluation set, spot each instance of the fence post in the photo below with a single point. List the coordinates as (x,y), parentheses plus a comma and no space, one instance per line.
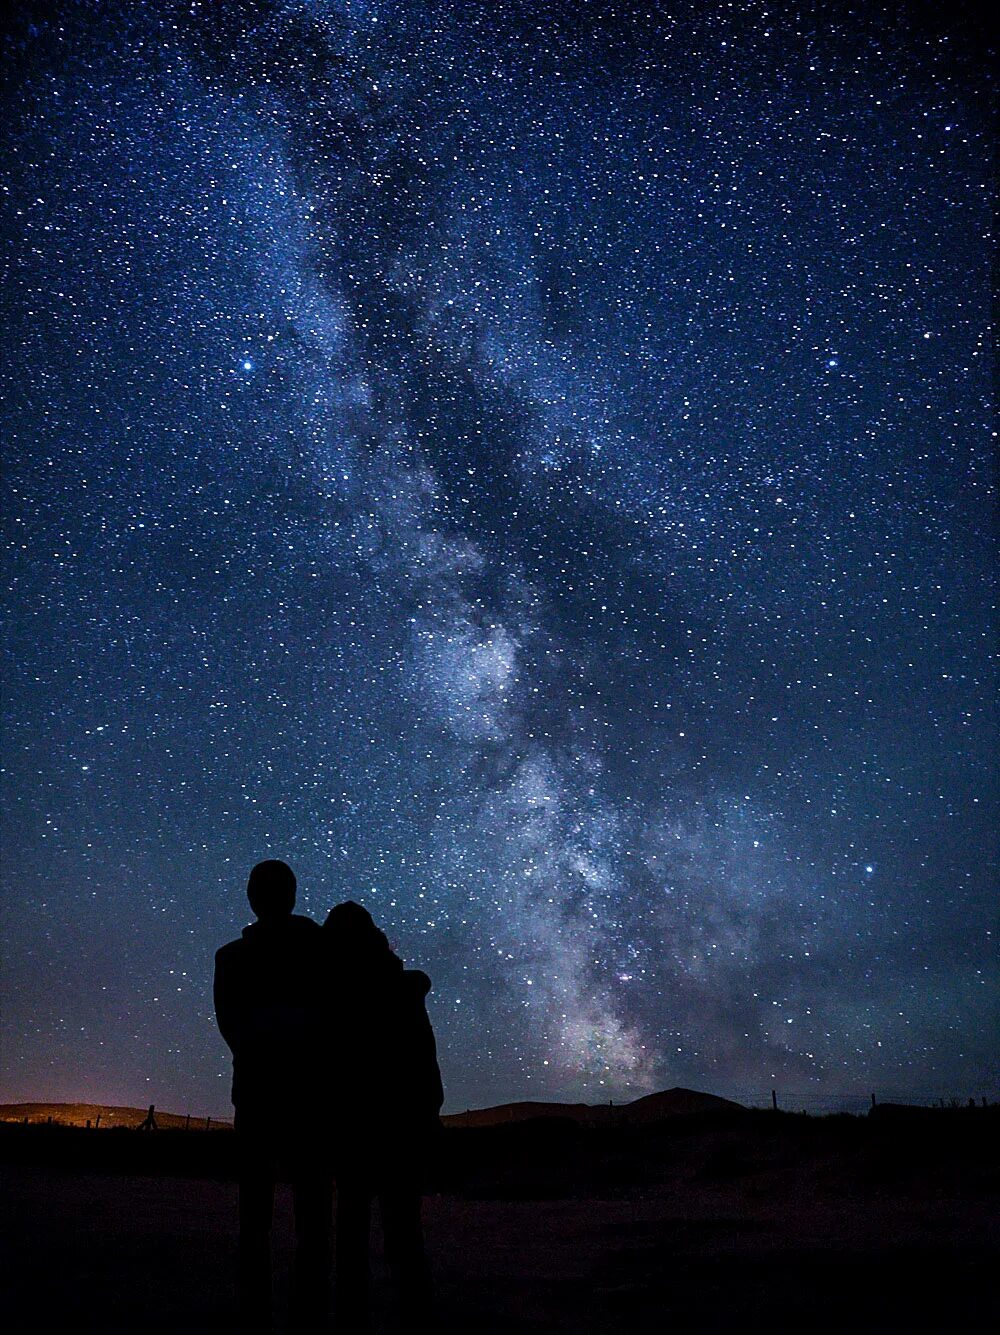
(774,1099)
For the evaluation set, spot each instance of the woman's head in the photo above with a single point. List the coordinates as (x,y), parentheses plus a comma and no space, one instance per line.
(353,932)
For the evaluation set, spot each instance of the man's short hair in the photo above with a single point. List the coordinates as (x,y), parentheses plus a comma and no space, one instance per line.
(271,889)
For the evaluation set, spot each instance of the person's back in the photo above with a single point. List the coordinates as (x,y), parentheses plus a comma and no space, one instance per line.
(267,1006)
(384,1095)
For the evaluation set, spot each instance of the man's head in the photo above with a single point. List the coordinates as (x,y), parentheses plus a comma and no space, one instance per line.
(271,890)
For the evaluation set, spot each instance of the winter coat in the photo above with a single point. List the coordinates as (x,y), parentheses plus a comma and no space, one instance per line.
(267,1002)
(383,1080)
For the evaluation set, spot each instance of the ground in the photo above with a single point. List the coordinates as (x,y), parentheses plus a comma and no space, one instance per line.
(705,1231)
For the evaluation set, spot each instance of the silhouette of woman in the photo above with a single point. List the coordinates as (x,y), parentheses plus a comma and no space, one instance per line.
(384,1092)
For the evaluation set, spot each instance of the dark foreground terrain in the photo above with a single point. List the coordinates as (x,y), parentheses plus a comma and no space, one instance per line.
(739,1223)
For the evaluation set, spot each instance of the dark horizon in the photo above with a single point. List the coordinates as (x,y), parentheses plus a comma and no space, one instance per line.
(531,472)
(759,1101)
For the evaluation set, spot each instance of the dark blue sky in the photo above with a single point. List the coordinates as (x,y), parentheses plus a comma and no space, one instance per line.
(533,474)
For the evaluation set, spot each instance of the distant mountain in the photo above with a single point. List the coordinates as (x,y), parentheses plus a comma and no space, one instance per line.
(79,1114)
(651,1108)
(677,1102)
(505,1113)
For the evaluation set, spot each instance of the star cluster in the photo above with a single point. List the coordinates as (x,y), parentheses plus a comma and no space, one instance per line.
(530,469)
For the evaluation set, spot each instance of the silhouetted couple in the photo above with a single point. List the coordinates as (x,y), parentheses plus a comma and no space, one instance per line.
(335,1074)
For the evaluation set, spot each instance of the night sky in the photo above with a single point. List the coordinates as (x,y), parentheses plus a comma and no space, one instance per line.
(530,471)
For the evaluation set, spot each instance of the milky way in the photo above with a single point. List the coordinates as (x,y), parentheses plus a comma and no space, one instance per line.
(531,472)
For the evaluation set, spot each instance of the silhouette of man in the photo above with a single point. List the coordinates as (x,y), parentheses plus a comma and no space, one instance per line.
(384,1089)
(266,1002)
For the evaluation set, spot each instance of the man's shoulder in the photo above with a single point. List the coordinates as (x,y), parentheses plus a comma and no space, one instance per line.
(305,938)
(230,951)
(296,929)
(300,923)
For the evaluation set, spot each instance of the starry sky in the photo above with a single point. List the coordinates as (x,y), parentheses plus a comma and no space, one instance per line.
(532,472)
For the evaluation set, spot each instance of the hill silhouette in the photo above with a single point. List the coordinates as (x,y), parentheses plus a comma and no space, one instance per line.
(677,1102)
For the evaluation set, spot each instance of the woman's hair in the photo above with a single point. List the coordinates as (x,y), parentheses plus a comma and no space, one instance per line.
(354,933)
